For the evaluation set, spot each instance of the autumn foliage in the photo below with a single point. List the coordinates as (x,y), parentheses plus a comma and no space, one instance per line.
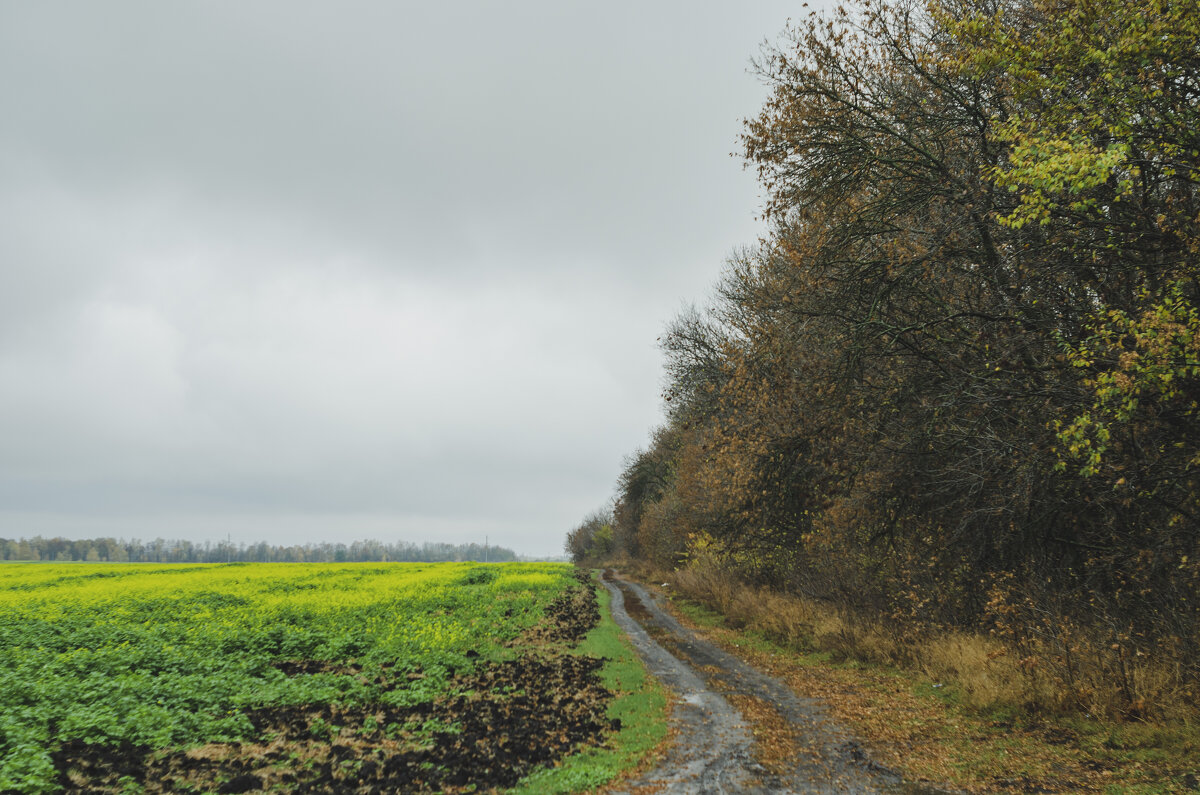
(956,386)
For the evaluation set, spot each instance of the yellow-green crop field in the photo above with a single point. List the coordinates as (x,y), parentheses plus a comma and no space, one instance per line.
(180,656)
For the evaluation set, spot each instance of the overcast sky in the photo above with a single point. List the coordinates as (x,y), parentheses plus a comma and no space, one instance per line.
(300,272)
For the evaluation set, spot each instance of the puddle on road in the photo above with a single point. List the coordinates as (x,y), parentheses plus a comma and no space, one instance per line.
(796,748)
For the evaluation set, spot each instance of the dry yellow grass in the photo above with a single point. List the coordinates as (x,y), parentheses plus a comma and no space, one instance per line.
(1063,669)
(962,709)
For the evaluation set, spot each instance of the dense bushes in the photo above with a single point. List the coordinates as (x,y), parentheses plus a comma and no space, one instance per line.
(592,539)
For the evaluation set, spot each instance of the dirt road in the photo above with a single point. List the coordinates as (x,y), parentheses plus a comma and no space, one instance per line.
(722,703)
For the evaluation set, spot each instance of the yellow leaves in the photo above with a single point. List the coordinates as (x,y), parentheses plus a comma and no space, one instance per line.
(1139,361)
(1128,359)
(1052,172)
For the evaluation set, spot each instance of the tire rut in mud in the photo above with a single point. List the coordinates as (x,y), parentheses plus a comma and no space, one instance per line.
(495,724)
(724,700)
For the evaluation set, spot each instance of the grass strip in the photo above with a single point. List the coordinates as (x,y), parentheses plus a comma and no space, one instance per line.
(640,703)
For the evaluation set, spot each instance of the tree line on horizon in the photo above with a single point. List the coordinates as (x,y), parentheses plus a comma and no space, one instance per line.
(114,550)
(957,382)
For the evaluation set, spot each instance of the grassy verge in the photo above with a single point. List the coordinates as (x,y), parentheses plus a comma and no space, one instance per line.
(639,703)
(926,730)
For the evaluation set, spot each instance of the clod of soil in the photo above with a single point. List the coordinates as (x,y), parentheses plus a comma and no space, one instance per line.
(569,617)
(496,724)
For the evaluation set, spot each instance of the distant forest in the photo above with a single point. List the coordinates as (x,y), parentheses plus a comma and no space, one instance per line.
(160,551)
(957,383)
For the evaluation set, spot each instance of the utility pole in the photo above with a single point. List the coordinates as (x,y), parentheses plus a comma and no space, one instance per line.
(485,545)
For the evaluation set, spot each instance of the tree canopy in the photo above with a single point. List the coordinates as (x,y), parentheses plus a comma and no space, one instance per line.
(966,357)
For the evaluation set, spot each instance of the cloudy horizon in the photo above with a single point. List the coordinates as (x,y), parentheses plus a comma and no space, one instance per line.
(301,272)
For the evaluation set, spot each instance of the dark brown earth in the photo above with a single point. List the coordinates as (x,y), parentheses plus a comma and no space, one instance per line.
(500,721)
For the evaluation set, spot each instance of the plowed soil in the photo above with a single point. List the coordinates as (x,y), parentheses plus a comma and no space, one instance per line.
(497,723)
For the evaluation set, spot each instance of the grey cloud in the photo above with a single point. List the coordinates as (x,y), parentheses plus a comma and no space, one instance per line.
(280,265)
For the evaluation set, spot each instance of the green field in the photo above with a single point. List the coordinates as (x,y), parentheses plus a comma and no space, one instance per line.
(134,659)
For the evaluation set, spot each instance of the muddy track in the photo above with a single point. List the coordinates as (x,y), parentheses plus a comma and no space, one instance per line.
(722,702)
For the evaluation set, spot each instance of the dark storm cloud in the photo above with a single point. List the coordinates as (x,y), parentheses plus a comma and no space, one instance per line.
(297,269)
